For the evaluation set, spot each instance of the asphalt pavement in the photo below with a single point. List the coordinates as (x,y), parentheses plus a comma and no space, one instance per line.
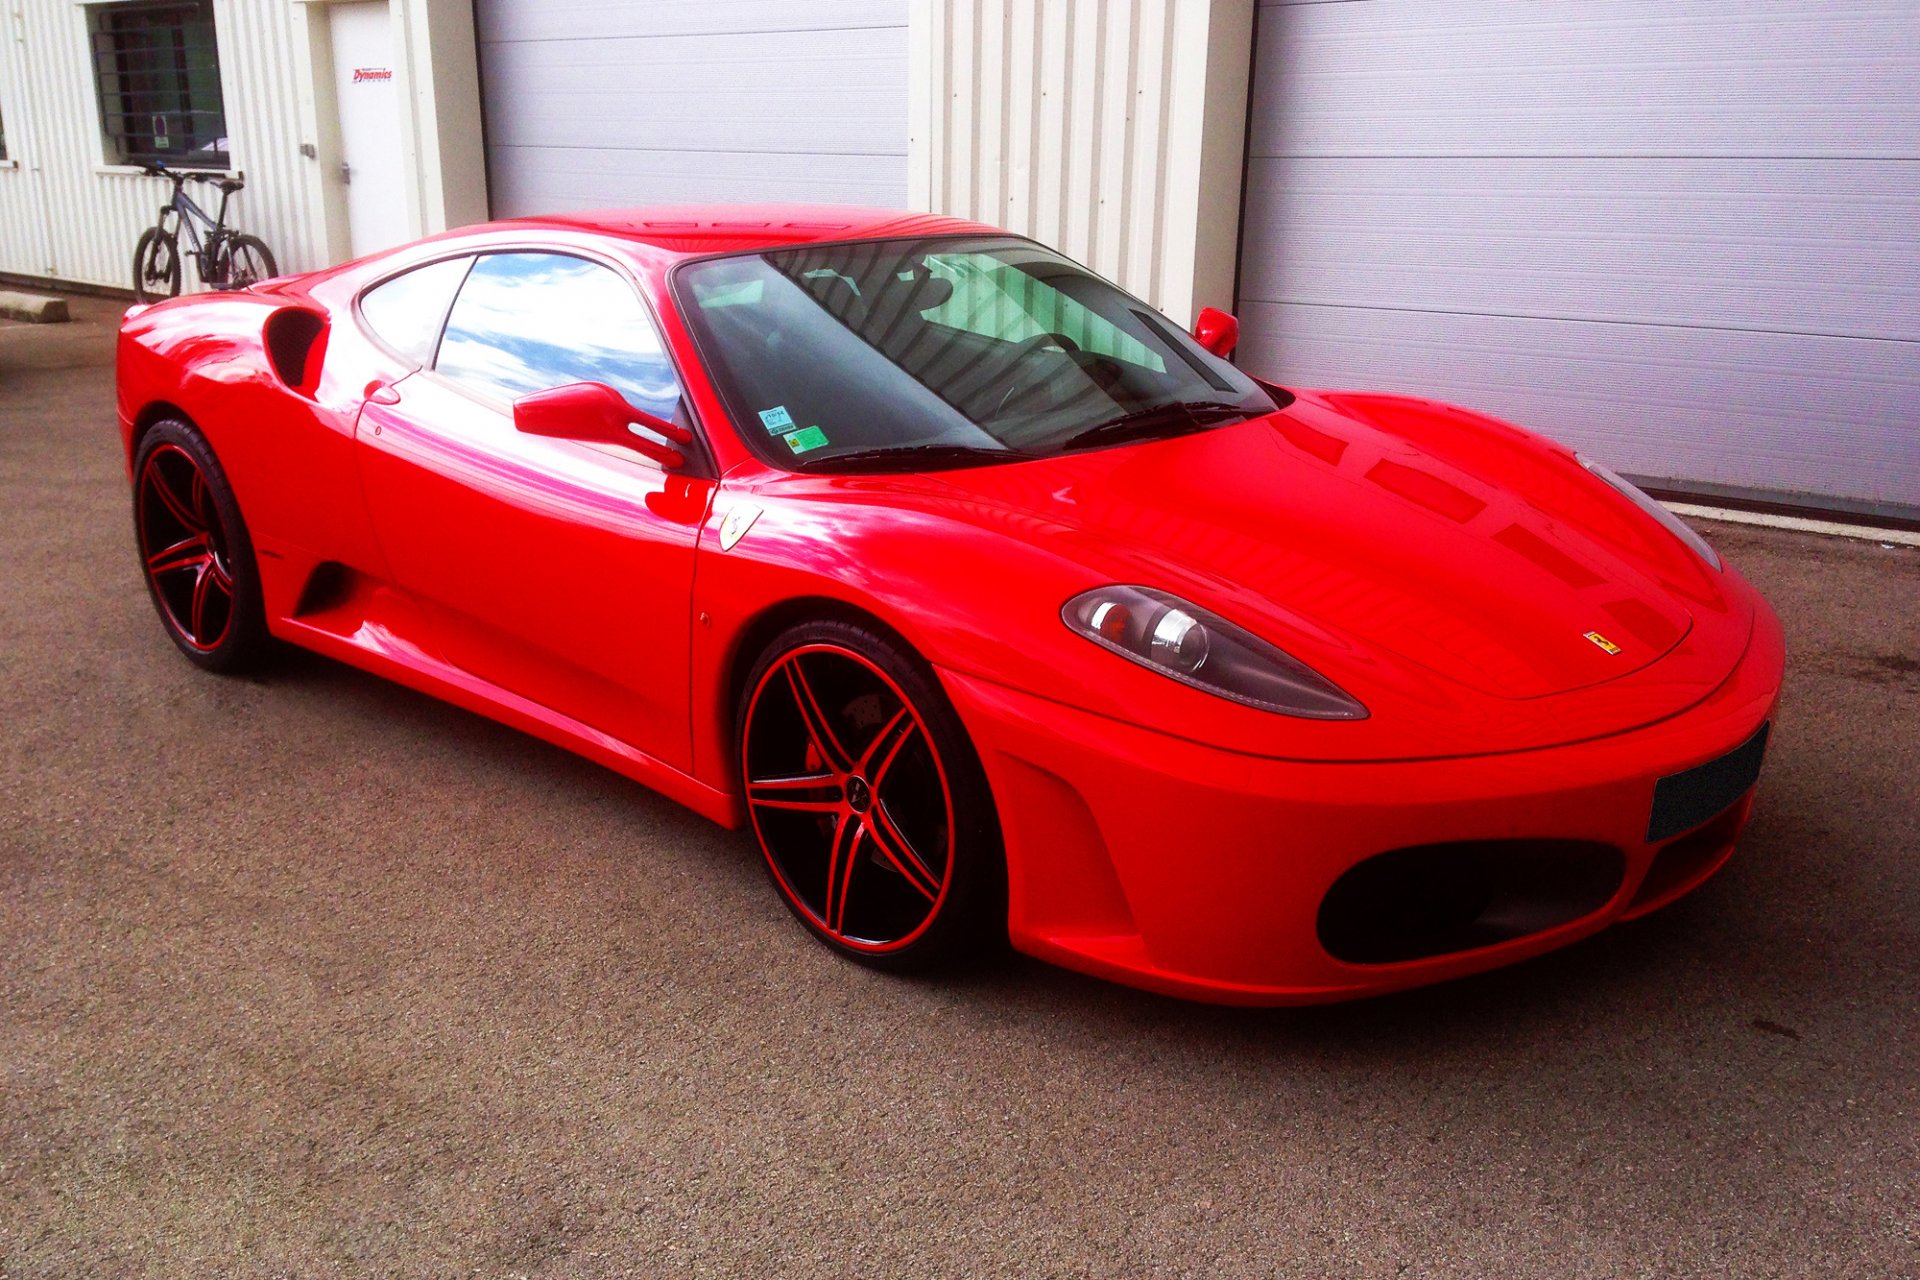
(307,975)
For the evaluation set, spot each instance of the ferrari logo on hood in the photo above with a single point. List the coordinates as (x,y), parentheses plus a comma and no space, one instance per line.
(1602,642)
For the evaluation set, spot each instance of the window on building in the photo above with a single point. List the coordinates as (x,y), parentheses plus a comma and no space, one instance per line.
(157,66)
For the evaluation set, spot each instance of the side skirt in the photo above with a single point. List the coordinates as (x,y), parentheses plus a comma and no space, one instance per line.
(375,648)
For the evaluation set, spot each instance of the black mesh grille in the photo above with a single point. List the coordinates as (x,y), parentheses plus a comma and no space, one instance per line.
(1683,801)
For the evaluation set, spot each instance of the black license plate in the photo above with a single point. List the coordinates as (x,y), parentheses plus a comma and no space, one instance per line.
(1682,801)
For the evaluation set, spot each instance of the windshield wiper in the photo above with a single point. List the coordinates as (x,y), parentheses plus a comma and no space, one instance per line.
(1177,418)
(916,457)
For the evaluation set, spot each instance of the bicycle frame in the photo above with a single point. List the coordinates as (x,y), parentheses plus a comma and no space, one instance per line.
(189,217)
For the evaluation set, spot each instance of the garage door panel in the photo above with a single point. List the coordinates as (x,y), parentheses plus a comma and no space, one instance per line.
(560,179)
(1583,77)
(592,103)
(1527,207)
(613,19)
(1773,411)
(1806,246)
(834,92)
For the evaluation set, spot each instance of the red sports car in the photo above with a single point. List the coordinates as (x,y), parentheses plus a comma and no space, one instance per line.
(993,603)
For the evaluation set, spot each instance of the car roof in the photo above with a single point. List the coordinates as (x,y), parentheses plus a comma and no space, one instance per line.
(689,230)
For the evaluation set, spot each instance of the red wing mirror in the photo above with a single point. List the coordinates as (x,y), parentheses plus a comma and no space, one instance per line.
(1217,331)
(595,412)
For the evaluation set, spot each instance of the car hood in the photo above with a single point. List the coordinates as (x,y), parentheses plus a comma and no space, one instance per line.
(1361,529)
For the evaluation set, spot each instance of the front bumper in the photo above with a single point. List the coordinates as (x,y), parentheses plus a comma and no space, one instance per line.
(1197,872)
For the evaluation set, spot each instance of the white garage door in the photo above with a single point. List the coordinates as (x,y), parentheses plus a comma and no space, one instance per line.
(596,103)
(1681,234)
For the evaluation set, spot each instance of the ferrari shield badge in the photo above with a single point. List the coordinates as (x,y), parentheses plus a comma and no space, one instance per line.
(737,522)
(1599,641)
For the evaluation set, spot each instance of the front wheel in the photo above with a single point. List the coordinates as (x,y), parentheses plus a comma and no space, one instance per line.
(867,799)
(248,261)
(156,266)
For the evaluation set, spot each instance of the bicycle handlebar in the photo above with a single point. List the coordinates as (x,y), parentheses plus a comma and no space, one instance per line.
(155,169)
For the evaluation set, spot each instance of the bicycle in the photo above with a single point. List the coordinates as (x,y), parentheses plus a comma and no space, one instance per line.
(226,259)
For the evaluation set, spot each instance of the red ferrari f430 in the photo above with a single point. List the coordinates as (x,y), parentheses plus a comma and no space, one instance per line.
(994,605)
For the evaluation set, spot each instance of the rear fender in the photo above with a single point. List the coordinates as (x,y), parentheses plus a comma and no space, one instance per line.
(251,372)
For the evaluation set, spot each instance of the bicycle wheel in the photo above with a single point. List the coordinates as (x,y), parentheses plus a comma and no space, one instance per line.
(249,261)
(156,266)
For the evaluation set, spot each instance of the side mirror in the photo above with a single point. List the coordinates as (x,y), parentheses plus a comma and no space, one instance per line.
(1217,331)
(596,413)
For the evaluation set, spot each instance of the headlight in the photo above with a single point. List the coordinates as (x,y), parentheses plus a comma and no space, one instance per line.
(1202,649)
(1670,522)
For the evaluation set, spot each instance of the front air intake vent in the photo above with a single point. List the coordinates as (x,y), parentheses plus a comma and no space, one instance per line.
(1436,899)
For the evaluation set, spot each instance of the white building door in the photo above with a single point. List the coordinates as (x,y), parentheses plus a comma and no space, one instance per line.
(369,105)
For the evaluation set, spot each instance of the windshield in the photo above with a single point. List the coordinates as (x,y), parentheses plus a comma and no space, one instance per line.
(886,355)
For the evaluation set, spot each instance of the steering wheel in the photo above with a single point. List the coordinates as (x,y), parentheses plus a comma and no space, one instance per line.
(1030,347)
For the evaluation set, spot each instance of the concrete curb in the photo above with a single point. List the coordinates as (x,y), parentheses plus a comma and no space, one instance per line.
(34,308)
(1767,520)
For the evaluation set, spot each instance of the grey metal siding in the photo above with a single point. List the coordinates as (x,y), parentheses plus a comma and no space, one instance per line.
(593,103)
(1683,238)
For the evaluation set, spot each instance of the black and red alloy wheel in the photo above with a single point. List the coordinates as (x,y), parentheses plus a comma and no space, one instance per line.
(185,547)
(850,798)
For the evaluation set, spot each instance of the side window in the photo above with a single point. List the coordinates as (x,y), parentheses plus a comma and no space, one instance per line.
(407,311)
(529,321)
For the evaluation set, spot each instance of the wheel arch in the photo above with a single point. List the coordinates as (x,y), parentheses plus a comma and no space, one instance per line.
(151,415)
(759,632)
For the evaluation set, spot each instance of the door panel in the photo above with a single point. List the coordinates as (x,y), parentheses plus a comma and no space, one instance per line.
(560,571)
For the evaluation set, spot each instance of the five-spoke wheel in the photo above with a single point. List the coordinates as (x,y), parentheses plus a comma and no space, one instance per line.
(867,802)
(185,548)
(194,549)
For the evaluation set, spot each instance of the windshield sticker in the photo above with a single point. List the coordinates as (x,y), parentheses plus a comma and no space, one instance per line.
(808,438)
(777,419)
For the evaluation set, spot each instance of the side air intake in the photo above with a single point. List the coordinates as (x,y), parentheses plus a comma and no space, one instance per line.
(296,344)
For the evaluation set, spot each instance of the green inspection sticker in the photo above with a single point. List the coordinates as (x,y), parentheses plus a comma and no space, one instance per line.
(805,439)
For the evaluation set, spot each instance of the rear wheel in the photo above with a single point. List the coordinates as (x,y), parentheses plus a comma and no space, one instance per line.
(156,266)
(249,261)
(194,550)
(868,801)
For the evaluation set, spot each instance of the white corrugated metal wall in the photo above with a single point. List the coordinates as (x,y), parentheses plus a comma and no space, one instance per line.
(1109,129)
(591,104)
(68,215)
(1680,234)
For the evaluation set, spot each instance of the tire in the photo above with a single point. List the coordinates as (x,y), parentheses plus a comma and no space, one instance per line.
(248,261)
(195,552)
(156,266)
(867,800)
